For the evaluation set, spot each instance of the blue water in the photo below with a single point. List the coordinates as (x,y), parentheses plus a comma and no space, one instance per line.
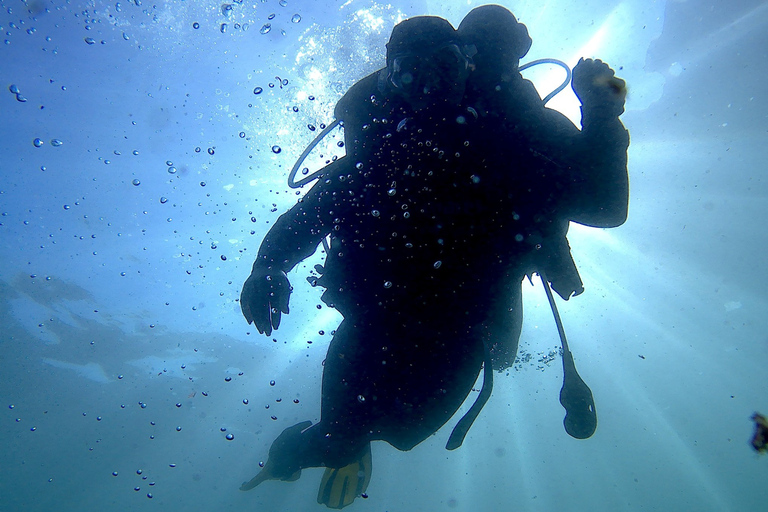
(125,361)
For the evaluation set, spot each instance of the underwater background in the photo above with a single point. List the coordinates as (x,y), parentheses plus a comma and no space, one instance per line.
(144,151)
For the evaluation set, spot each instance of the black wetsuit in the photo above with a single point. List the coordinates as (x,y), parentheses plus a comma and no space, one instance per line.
(434,219)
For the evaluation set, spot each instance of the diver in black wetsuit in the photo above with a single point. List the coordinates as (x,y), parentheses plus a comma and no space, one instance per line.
(436,213)
(578,175)
(587,167)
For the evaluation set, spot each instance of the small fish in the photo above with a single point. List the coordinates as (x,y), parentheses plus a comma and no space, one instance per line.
(760,437)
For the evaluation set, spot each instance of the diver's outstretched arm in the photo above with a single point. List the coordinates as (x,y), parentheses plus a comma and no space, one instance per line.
(294,237)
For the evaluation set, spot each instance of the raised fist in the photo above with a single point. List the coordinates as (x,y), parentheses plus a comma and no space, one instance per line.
(596,85)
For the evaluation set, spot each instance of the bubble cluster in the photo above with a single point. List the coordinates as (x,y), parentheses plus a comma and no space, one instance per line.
(15,90)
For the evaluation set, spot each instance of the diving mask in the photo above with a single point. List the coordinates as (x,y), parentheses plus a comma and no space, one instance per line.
(439,73)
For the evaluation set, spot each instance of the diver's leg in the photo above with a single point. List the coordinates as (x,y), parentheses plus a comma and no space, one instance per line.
(425,370)
(393,381)
(351,376)
(397,379)
(334,443)
(504,324)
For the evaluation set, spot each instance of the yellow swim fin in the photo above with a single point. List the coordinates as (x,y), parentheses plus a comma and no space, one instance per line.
(340,486)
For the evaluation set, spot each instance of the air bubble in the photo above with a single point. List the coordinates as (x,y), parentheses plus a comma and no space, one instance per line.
(172,170)
(56,143)
(296,18)
(136,182)
(387,284)
(266,28)
(276,149)
(257,90)
(195,25)
(38,142)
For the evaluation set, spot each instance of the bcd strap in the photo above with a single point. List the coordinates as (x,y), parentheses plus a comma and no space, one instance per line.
(465,423)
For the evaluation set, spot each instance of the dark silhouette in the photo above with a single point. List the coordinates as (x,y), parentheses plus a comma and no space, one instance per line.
(457,183)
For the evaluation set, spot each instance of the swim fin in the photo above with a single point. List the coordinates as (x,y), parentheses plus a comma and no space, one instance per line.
(340,486)
(265,475)
(282,463)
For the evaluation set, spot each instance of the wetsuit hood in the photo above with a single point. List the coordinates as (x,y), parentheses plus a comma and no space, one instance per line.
(420,33)
(496,33)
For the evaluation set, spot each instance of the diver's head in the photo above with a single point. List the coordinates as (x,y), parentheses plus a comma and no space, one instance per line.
(501,41)
(426,62)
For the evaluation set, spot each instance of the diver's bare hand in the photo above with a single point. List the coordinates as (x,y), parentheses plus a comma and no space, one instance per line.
(596,85)
(265,297)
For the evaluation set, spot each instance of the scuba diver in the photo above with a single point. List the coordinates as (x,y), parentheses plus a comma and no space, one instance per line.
(591,163)
(449,194)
